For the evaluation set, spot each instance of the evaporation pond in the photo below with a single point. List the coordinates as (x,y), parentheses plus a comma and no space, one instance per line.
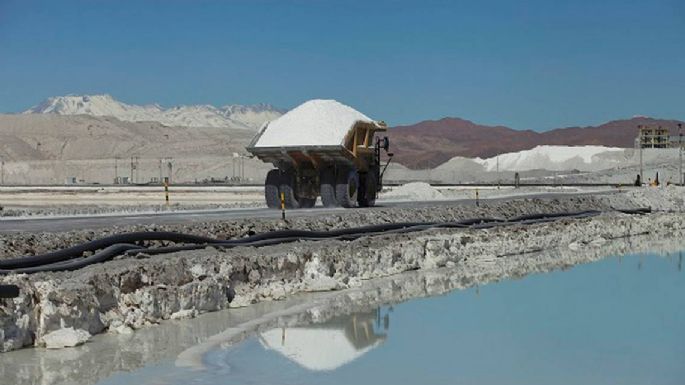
(617,321)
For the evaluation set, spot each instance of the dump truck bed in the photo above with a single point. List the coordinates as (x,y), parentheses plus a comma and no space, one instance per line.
(298,154)
(317,132)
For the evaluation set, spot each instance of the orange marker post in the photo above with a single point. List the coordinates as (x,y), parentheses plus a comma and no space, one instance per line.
(283,205)
(166,190)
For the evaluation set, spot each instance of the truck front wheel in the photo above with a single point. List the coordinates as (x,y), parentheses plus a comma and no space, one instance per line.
(306,203)
(271,189)
(347,188)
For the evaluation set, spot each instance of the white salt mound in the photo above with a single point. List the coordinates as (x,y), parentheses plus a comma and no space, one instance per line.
(584,158)
(314,123)
(415,191)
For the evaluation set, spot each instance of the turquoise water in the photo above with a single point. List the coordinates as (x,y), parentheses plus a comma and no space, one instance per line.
(617,321)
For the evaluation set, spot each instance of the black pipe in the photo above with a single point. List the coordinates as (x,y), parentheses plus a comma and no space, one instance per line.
(98,244)
(112,246)
(129,238)
(639,211)
(104,255)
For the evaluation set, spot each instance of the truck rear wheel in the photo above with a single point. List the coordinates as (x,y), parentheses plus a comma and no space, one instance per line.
(347,188)
(327,188)
(367,190)
(306,203)
(271,189)
(288,190)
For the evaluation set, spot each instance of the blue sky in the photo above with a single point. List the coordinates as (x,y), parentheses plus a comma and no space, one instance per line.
(534,64)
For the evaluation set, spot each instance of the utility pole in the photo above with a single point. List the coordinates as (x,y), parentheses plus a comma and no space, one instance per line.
(641,176)
(2,172)
(161,177)
(170,165)
(116,170)
(680,154)
(638,143)
(134,166)
(498,178)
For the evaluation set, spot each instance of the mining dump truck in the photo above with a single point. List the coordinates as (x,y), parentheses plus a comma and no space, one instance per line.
(322,148)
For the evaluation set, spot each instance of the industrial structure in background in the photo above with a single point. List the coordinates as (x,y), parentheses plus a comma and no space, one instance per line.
(654,137)
(165,168)
(658,137)
(322,148)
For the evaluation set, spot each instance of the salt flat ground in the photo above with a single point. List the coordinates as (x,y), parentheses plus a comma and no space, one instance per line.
(80,200)
(23,201)
(126,196)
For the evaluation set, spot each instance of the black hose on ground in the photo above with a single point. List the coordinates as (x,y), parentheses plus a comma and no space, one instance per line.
(72,258)
(104,255)
(99,244)
(639,211)
(9,291)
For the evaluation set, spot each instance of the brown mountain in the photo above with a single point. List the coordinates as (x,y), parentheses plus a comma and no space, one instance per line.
(430,143)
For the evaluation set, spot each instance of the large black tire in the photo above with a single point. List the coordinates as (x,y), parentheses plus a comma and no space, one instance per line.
(307,203)
(367,190)
(288,189)
(271,189)
(347,188)
(327,188)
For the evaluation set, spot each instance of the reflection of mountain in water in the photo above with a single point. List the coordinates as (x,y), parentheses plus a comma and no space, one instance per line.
(330,345)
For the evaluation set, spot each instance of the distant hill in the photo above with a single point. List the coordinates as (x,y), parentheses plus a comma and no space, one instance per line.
(430,143)
(52,148)
(54,137)
(231,116)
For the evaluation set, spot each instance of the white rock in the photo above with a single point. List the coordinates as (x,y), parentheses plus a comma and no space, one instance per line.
(181,314)
(241,300)
(122,329)
(315,278)
(198,271)
(65,338)
(321,283)
(598,242)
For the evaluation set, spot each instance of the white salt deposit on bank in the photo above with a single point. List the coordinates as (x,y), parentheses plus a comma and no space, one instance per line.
(584,158)
(414,191)
(314,123)
(65,338)
(662,198)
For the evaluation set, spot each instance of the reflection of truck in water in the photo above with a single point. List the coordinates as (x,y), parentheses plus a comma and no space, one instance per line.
(332,344)
(322,148)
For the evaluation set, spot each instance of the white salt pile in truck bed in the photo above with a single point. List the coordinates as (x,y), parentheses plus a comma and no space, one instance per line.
(314,123)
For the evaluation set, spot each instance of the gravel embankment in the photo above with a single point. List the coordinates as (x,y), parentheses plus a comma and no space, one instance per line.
(12,245)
